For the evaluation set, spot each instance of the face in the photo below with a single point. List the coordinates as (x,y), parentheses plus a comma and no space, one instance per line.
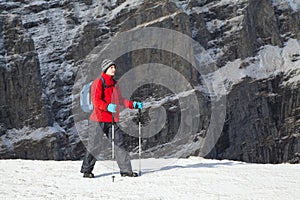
(111,70)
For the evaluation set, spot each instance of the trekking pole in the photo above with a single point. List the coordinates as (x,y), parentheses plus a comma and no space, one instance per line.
(140,142)
(113,146)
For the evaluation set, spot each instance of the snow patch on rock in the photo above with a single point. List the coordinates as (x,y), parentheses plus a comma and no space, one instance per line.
(284,4)
(270,61)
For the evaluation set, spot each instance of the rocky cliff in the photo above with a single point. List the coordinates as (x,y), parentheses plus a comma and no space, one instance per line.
(22,102)
(248,52)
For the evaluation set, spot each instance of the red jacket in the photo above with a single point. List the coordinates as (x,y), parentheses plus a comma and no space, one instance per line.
(112,94)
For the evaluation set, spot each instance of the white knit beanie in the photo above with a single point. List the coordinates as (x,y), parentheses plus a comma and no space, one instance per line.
(106,64)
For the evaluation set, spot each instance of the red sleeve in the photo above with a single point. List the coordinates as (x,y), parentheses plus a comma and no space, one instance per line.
(123,101)
(96,93)
(127,103)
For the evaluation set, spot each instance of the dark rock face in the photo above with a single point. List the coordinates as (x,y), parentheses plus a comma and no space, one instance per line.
(261,126)
(21,98)
(42,51)
(260,28)
(42,143)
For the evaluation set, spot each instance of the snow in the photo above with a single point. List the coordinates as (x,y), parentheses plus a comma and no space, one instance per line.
(156,20)
(216,24)
(270,61)
(293,4)
(193,178)
(227,2)
(130,4)
(185,7)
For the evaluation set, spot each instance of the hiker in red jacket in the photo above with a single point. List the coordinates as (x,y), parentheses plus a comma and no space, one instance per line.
(106,98)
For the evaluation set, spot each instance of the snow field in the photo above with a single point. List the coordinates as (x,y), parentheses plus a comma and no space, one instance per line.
(193,178)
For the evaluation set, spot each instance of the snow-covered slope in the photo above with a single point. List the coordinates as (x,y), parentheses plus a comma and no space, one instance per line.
(193,178)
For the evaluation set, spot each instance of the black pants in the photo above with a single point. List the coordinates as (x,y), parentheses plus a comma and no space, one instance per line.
(121,154)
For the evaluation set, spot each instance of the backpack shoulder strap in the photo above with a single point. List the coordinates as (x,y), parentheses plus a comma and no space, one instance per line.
(103,83)
(103,86)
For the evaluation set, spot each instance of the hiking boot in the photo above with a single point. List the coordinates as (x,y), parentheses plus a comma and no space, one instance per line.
(88,175)
(129,174)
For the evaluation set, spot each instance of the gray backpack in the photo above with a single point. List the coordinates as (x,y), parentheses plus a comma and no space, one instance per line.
(85,96)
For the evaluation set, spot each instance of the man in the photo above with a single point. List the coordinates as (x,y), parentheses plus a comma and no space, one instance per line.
(106,98)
